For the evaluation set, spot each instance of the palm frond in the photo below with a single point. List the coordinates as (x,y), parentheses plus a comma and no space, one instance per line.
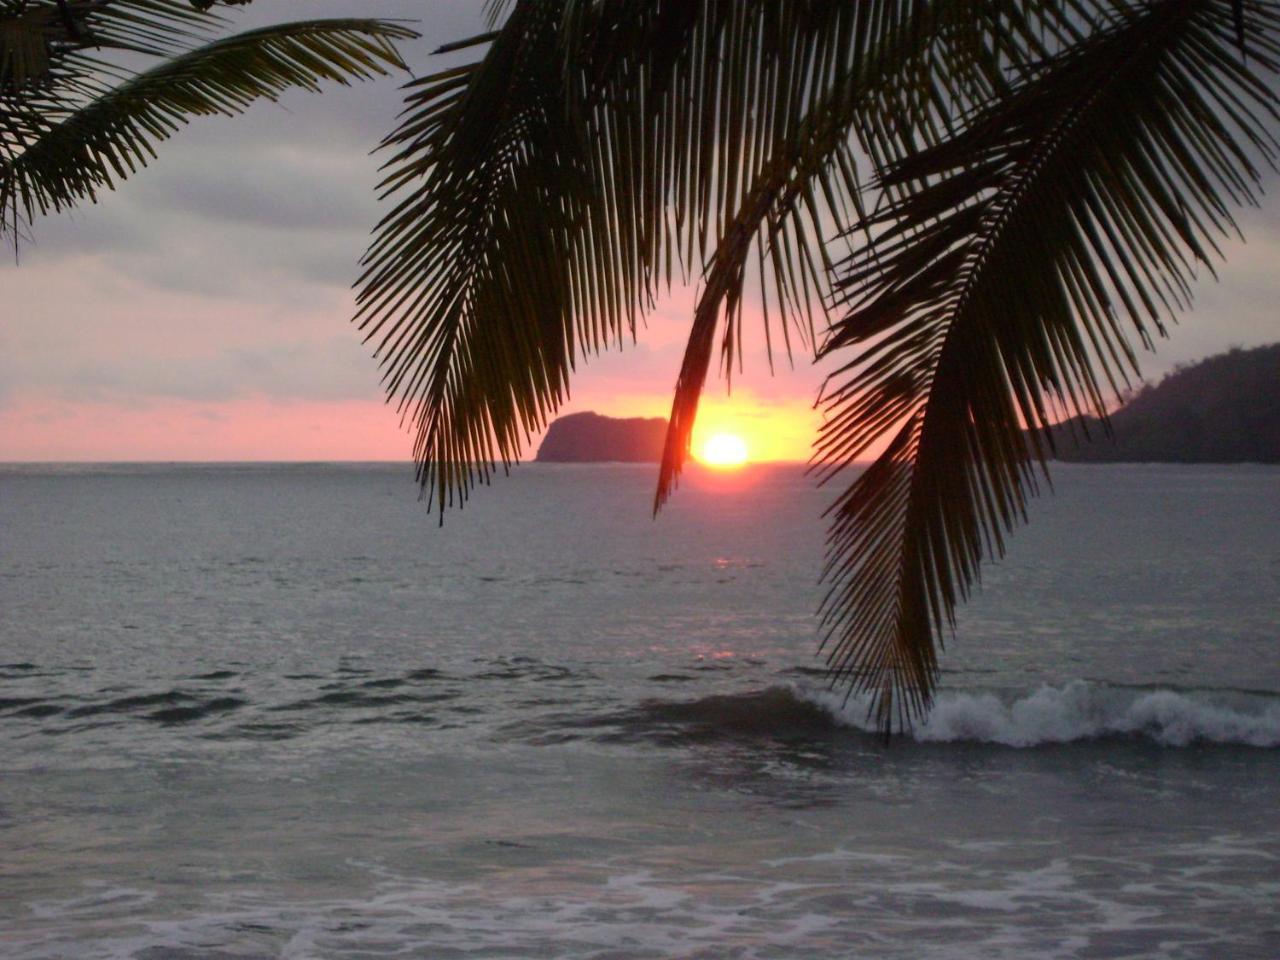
(546,193)
(45,33)
(24,49)
(491,168)
(55,55)
(914,65)
(157,28)
(112,135)
(994,293)
(64,46)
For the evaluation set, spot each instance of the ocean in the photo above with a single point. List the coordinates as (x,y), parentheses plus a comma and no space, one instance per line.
(276,711)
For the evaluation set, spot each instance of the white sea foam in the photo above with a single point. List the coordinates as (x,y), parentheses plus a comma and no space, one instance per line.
(1074,712)
(824,903)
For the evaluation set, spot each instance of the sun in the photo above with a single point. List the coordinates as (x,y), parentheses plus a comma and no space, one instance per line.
(724,450)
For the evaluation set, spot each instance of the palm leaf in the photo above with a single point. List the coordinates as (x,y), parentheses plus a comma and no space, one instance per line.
(994,294)
(915,64)
(152,27)
(484,152)
(51,44)
(111,136)
(547,192)
(24,49)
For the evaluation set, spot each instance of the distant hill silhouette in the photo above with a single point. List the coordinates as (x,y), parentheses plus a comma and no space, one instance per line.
(593,438)
(1225,409)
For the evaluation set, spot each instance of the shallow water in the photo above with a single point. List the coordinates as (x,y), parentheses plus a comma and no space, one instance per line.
(265,711)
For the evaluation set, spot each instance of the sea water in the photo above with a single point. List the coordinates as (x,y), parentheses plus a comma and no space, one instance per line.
(277,711)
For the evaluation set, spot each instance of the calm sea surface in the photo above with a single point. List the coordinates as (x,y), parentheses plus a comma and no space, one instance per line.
(275,711)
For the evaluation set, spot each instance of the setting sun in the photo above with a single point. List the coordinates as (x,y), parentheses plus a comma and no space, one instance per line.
(724,450)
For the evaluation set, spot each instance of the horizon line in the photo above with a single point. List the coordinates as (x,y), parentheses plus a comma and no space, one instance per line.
(396,462)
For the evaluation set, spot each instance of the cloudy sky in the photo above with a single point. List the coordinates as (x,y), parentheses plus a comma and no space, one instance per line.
(201,312)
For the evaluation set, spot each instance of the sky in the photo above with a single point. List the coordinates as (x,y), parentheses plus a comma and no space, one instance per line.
(202,310)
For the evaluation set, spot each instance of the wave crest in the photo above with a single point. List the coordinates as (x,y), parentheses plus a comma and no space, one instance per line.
(1074,712)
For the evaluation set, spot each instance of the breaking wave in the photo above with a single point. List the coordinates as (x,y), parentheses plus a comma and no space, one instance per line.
(1078,711)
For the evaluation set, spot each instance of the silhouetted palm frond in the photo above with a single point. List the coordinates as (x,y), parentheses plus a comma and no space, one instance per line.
(548,191)
(994,294)
(919,64)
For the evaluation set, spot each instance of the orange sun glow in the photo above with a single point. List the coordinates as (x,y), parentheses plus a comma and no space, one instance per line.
(724,450)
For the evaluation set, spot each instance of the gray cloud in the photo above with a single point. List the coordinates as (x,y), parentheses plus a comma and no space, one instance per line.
(281,190)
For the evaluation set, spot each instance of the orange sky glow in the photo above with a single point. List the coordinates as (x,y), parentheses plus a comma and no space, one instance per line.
(262,428)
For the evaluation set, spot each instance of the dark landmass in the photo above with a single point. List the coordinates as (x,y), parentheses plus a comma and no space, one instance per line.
(592,438)
(1225,409)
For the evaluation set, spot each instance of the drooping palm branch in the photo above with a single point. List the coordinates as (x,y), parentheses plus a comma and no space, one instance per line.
(887,100)
(994,295)
(73,123)
(602,147)
(964,156)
